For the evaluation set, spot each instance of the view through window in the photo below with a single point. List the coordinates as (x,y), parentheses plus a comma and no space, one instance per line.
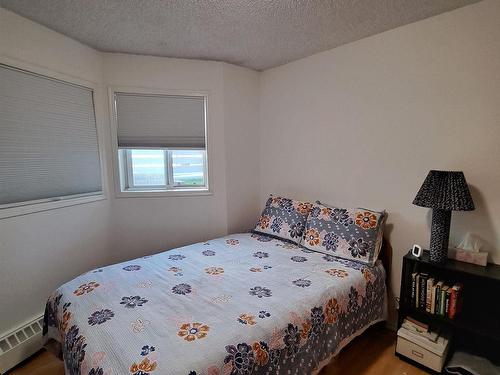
(165,168)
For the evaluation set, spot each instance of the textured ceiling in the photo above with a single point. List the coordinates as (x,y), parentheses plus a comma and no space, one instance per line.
(258,34)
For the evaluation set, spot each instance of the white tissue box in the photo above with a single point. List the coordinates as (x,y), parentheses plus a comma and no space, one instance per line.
(475,257)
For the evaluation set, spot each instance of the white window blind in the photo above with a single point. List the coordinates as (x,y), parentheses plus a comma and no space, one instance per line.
(157,121)
(48,138)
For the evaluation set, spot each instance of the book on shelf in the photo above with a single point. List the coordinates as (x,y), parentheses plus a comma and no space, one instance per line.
(413,287)
(417,290)
(442,308)
(435,297)
(447,302)
(428,294)
(422,291)
(417,329)
(424,326)
(455,302)
(437,303)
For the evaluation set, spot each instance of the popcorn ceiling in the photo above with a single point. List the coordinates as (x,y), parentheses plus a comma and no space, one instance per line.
(258,34)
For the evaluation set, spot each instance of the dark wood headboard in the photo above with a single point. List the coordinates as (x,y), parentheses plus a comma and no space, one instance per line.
(386,257)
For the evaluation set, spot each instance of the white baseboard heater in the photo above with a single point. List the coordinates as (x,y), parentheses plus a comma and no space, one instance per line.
(20,343)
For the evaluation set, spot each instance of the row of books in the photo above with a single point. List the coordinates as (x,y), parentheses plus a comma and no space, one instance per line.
(436,297)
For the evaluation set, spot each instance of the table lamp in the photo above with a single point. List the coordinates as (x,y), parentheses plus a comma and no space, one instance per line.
(443,191)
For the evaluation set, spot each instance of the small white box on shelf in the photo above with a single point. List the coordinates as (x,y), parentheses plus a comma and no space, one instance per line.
(421,350)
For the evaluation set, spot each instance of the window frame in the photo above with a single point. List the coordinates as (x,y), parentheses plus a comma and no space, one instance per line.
(40,205)
(121,179)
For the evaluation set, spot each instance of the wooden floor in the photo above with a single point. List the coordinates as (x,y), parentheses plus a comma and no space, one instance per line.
(371,353)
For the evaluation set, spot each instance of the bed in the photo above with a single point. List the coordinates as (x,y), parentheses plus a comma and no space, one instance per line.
(242,304)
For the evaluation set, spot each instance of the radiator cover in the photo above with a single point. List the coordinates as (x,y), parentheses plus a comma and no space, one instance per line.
(20,343)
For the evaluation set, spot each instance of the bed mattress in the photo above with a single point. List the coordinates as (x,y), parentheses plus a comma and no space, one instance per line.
(241,304)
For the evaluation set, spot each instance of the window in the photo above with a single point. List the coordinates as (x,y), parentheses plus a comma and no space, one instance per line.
(48,141)
(161,142)
(147,168)
(162,169)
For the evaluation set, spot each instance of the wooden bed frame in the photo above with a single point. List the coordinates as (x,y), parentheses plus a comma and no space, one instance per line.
(386,257)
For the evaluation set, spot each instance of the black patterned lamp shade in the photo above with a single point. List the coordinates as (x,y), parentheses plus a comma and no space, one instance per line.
(446,191)
(443,191)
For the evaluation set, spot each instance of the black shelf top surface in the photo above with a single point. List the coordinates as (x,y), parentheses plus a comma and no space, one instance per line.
(490,271)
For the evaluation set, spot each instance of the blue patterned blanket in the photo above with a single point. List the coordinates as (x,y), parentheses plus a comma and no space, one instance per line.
(241,304)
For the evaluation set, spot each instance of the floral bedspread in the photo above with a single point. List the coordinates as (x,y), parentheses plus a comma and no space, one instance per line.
(241,304)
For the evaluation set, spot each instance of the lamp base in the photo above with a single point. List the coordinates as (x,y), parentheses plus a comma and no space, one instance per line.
(440,235)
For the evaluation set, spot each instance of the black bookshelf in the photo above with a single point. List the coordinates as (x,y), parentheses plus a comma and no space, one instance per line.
(477,327)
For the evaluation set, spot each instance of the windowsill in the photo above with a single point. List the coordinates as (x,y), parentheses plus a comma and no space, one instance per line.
(48,205)
(163,193)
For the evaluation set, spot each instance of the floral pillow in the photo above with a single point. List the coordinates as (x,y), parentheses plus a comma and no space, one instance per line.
(284,218)
(354,234)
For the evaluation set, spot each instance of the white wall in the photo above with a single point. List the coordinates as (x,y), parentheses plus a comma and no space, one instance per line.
(40,251)
(241,119)
(362,124)
(145,225)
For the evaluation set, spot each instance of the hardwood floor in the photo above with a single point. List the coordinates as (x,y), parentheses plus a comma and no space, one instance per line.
(42,363)
(371,353)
